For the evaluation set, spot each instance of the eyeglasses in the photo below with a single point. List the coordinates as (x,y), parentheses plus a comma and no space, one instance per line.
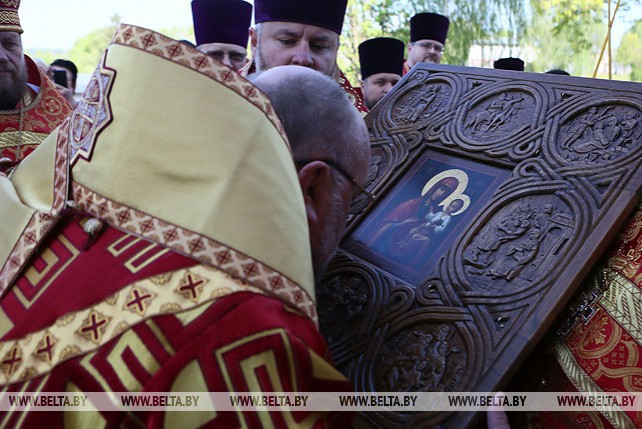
(439,48)
(372,197)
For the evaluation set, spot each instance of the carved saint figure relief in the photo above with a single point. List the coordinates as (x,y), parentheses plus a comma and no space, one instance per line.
(601,134)
(424,359)
(514,241)
(421,103)
(496,114)
(344,302)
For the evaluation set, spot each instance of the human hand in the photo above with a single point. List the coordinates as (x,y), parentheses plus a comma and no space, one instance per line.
(497,419)
(68,94)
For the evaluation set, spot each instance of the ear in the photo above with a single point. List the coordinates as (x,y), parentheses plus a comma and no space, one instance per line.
(409,47)
(253,38)
(316,183)
(362,82)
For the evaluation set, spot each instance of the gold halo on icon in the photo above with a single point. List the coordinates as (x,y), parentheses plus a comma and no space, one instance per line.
(457,194)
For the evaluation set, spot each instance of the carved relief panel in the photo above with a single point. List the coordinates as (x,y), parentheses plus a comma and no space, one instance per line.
(495,191)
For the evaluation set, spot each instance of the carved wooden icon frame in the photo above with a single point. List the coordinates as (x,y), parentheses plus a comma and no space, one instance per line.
(546,169)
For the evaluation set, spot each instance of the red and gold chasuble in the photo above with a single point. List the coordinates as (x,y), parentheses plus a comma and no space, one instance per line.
(137,254)
(603,351)
(22,129)
(354,93)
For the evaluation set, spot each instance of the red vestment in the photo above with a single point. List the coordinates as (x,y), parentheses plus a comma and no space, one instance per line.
(147,252)
(22,129)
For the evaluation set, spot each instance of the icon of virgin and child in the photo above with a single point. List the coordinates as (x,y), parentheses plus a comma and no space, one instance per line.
(416,225)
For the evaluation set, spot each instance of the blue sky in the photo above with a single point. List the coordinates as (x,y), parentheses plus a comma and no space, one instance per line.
(51,24)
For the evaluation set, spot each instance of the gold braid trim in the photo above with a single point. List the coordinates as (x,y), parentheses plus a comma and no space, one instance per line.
(622,300)
(585,384)
(13,138)
(9,20)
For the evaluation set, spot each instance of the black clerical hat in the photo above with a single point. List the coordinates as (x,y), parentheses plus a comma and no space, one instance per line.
(381,55)
(429,26)
(221,21)
(509,63)
(322,13)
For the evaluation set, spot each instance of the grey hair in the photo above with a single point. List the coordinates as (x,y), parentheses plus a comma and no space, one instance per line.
(317,116)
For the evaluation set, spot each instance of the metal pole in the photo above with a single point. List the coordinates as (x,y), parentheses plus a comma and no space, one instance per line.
(606,40)
(609,37)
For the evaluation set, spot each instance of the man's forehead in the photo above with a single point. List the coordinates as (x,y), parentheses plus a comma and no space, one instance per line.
(434,42)
(221,47)
(297,28)
(385,76)
(9,35)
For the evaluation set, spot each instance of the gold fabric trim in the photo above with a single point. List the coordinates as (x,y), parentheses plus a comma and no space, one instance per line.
(20,138)
(197,246)
(9,20)
(82,332)
(627,257)
(583,383)
(623,302)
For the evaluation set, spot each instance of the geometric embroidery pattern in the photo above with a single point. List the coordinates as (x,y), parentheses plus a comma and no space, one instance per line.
(191,286)
(40,223)
(94,326)
(139,300)
(91,115)
(40,351)
(12,360)
(197,246)
(45,348)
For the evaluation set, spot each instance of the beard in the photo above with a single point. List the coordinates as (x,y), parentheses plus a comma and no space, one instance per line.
(259,60)
(12,84)
(431,58)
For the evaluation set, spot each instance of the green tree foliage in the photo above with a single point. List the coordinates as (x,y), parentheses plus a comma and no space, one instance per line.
(557,46)
(629,52)
(570,17)
(360,24)
(88,50)
(569,34)
(483,22)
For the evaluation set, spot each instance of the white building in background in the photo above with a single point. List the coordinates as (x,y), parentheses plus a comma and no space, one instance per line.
(483,56)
